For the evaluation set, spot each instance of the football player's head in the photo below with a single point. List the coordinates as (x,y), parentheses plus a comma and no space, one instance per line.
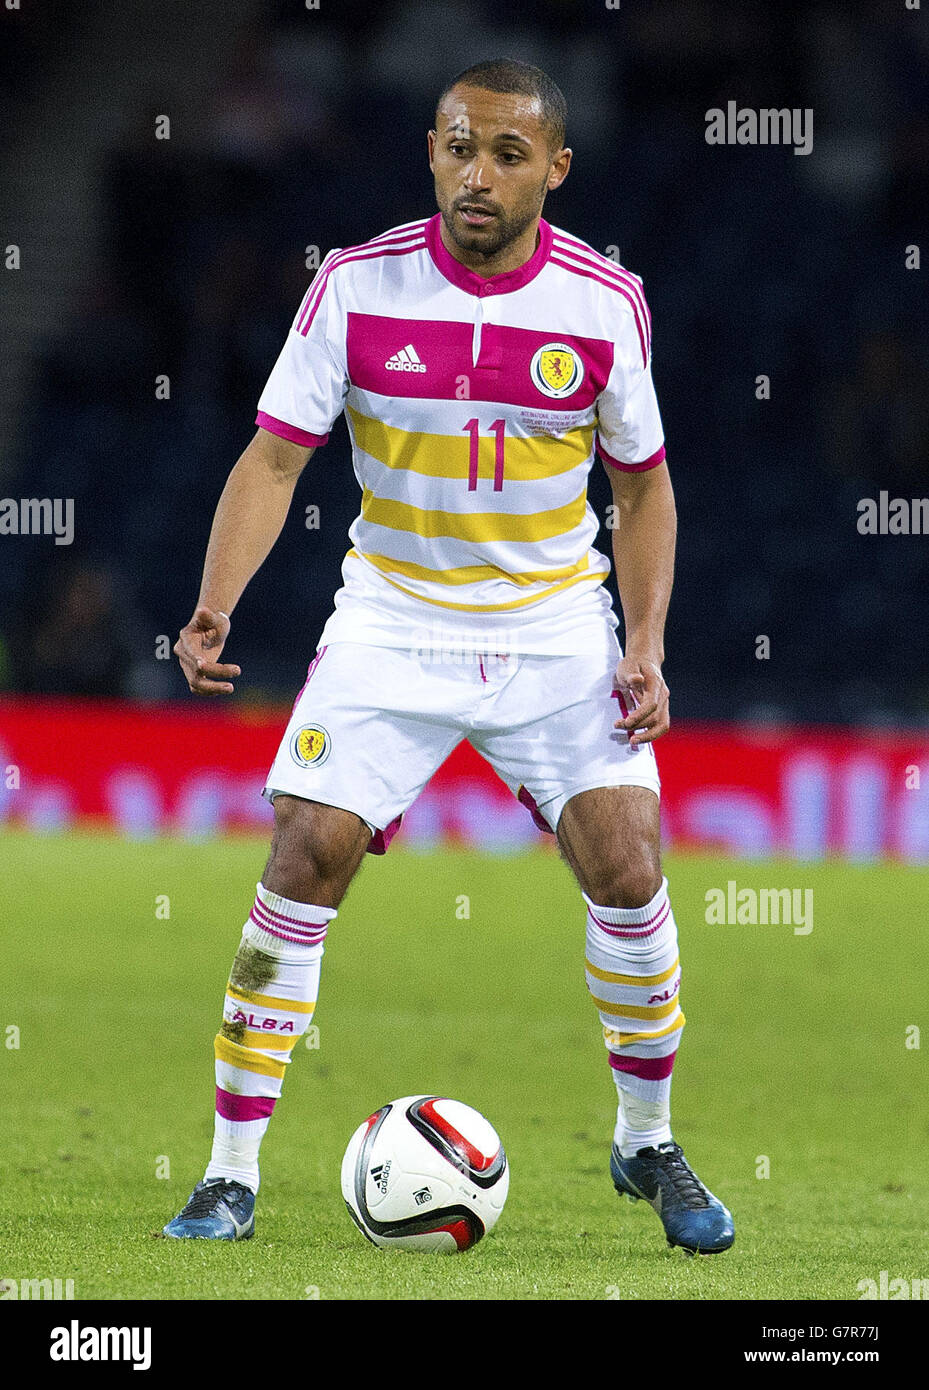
(496,151)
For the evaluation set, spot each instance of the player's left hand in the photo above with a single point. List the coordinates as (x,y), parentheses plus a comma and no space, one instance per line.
(643,688)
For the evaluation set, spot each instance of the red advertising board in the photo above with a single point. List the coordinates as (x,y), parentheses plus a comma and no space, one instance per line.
(199,770)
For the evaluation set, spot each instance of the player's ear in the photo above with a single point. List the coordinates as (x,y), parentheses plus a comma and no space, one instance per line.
(561,163)
(430,144)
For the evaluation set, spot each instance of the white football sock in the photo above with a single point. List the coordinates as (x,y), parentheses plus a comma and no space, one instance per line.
(269,1005)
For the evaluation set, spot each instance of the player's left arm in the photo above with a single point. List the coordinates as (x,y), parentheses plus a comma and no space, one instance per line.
(643,554)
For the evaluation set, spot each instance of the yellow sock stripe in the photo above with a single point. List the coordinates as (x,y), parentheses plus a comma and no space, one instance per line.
(597,574)
(236,1056)
(643,1011)
(473,574)
(270,1042)
(478,527)
(614,1038)
(269,1001)
(449,456)
(611,977)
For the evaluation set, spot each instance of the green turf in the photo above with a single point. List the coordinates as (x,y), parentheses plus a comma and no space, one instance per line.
(794,1049)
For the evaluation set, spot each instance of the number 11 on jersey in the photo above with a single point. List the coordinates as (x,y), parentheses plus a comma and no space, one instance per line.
(498,429)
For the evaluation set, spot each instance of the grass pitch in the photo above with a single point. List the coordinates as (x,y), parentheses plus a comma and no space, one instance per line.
(794,1062)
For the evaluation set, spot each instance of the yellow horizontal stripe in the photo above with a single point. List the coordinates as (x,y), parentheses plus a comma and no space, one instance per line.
(615,1038)
(236,1056)
(477,527)
(473,574)
(610,1006)
(269,1001)
(491,607)
(448,456)
(611,977)
(270,1042)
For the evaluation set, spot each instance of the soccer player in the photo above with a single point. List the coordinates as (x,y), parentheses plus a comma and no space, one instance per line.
(483,358)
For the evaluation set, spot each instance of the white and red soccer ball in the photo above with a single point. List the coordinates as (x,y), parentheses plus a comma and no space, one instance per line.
(425,1173)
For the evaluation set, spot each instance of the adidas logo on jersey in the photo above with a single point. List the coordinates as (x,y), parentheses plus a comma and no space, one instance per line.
(405,360)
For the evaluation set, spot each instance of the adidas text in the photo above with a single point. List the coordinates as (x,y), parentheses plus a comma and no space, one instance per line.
(406,360)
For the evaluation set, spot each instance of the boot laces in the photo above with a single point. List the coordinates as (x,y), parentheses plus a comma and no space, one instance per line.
(205,1200)
(681,1178)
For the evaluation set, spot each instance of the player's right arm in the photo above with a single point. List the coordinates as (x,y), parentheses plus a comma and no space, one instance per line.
(249,518)
(302,398)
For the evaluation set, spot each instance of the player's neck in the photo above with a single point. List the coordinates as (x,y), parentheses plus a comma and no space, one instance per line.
(510,258)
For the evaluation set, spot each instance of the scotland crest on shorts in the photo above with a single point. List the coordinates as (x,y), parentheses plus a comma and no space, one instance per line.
(556,370)
(310,745)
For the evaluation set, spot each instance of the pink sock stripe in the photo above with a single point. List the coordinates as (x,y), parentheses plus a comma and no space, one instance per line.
(636,930)
(665,902)
(289,935)
(645,1068)
(241,1108)
(280,919)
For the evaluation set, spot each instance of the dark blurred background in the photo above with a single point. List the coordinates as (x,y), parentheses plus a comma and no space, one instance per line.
(293,127)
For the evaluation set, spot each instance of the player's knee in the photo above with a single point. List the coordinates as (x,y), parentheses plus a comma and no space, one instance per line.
(629,881)
(308,842)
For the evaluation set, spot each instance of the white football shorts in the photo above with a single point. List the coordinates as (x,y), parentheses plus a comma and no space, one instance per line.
(372,724)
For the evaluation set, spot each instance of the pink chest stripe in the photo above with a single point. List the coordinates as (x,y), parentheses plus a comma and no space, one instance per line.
(380,360)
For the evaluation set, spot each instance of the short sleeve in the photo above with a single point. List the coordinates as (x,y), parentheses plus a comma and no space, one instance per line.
(629,431)
(306,390)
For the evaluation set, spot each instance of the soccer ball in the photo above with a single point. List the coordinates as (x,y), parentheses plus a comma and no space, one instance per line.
(425,1173)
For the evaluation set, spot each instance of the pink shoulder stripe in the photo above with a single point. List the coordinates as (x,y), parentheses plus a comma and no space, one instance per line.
(303,303)
(405,229)
(612,285)
(343,259)
(586,255)
(365,252)
(333,258)
(581,248)
(314,286)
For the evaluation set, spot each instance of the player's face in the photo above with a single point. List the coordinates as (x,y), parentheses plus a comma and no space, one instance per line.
(493,166)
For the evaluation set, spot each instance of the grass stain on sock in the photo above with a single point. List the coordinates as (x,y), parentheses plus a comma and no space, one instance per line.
(252,970)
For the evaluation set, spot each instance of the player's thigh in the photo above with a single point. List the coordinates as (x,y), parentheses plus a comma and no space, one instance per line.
(611,837)
(555,742)
(366,733)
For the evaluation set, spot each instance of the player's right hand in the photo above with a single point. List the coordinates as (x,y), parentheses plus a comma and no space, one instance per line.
(197,648)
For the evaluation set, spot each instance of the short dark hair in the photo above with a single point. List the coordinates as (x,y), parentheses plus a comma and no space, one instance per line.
(512,75)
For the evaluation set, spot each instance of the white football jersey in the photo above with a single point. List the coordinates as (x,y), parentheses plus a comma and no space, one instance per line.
(476,407)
